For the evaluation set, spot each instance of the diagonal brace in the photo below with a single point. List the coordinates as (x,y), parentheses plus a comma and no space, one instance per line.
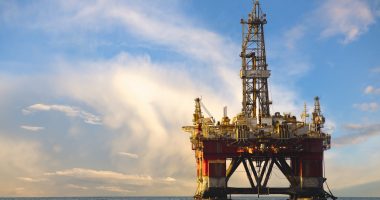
(248,173)
(268,173)
(286,170)
(235,162)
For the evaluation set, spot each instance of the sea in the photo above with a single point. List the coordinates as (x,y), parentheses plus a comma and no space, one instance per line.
(167,198)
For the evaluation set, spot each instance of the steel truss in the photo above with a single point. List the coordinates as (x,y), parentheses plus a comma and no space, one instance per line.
(258,179)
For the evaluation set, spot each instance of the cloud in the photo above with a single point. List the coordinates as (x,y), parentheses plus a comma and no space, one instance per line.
(350,18)
(130,155)
(367,107)
(358,133)
(32,128)
(351,174)
(21,161)
(293,36)
(98,174)
(368,189)
(371,90)
(143,102)
(169,30)
(31,180)
(347,18)
(169,179)
(76,187)
(113,189)
(70,111)
(291,63)
(375,70)
(19,155)
(8,11)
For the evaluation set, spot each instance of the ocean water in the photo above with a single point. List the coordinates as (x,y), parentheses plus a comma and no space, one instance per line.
(168,198)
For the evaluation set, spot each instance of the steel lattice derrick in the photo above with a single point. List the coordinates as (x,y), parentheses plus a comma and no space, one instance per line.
(254,73)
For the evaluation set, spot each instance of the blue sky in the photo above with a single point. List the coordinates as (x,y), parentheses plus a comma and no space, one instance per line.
(94,92)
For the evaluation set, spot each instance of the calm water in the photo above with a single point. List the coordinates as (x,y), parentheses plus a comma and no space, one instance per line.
(169,198)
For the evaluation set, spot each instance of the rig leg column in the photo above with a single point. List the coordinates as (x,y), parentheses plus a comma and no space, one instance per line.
(213,182)
(308,168)
(212,171)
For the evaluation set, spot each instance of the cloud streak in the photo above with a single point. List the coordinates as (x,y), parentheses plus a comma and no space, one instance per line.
(31,180)
(130,155)
(32,128)
(169,179)
(76,187)
(293,35)
(367,107)
(113,189)
(21,161)
(98,174)
(358,133)
(375,70)
(70,111)
(349,18)
(371,90)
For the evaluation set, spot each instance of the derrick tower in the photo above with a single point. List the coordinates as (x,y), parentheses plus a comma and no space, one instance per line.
(254,72)
(257,140)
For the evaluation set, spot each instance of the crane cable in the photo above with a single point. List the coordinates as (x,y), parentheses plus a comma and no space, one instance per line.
(208,112)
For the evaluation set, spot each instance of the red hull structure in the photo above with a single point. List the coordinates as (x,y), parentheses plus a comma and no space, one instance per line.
(299,159)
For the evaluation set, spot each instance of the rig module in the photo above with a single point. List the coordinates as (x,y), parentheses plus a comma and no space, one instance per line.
(255,138)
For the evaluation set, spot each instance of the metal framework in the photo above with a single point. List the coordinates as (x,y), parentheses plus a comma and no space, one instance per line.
(254,73)
(256,139)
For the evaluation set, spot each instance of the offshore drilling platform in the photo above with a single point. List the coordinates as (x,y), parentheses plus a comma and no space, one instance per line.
(255,138)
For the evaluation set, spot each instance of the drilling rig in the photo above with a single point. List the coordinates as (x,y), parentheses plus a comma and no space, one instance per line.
(256,139)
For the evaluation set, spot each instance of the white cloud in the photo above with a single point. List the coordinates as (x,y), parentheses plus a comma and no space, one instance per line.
(353,126)
(358,133)
(169,29)
(371,90)
(145,104)
(98,174)
(329,126)
(32,128)
(170,179)
(350,174)
(76,187)
(31,180)
(8,11)
(368,107)
(20,161)
(113,189)
(293,35)
(70,111)
(289,64)
(130,155)
(350,18)
(19,155)
(375,70)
